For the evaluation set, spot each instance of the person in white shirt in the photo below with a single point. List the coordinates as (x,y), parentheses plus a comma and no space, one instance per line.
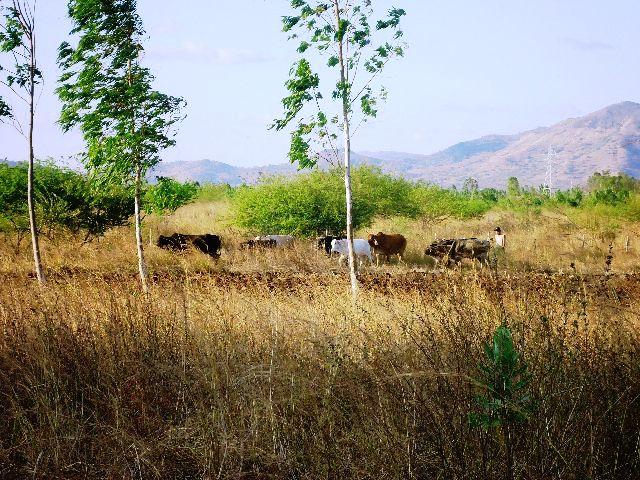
(500,238)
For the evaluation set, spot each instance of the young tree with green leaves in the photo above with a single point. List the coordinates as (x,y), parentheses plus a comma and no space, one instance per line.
(504,399)
(18,39)
(168,195)
(340,34)
(513,187)
(108,93)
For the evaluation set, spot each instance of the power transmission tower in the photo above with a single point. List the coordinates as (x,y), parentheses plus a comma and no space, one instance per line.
(552,162)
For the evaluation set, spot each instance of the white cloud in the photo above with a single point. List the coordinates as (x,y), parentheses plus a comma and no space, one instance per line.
(218,56)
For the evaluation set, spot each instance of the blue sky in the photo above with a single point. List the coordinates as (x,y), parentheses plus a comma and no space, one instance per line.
(472,68)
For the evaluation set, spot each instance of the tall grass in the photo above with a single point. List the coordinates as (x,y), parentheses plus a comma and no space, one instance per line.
(258,365)
(279,377)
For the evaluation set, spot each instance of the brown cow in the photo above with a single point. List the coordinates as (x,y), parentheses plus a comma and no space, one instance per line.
(387,245)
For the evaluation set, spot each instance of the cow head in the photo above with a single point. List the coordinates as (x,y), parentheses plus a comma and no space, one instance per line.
(164,241)
(374,239)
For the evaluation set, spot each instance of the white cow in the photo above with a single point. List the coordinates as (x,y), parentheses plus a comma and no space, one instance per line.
(281,240)
(361,249)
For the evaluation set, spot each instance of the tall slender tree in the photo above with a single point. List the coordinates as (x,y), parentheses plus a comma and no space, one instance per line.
(18,39)
(108,93)
(340,35)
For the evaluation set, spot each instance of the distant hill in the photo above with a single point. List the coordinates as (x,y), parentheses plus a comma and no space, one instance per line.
(219,172)
(608,139)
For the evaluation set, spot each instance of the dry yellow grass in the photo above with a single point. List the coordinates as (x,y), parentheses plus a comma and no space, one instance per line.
(549,241)
(258,365)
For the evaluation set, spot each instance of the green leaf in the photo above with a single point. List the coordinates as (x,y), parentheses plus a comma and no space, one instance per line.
(303,47)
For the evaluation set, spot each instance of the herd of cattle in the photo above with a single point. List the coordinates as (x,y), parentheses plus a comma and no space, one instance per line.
(380,245)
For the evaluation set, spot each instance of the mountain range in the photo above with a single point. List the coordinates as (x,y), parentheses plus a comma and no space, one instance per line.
(561,155)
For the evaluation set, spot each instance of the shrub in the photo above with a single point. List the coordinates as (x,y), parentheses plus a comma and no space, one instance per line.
(572,197)
(167,195)
(503,382)
(390,195)
(435,202)
(214,192)
(304,206)
(609,196)
(106,206)
(64,199)
(604,180)
(13,199)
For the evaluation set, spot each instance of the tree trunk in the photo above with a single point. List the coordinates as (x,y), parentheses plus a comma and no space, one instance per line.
(347,185)
(347,159)
(30,203)
(509,473)
(142,266)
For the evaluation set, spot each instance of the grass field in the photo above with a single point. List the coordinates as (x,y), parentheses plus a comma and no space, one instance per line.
(259,365)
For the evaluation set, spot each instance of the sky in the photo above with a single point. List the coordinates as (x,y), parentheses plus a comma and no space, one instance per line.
(471,69)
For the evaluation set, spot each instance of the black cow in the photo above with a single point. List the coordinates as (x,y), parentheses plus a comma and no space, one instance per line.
(324,243)
(258,243)
(207,243)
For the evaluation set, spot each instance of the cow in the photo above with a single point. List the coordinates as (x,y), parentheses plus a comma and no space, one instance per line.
(455,250)
(281,240)
(324,243)
(208,244)
(361,249)
(254,244)
(387,245)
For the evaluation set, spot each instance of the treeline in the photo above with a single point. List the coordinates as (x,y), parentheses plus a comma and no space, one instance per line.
(304,205)
(312,203)
(67,200)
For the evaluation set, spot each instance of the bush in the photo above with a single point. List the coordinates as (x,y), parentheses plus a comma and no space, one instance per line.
(607,189)
(305,205)
(64,199)
(13,199)
(572,197)
(435,202)
(609,196)
(167,195)
(214,192)
(390,196)
(314,202)
(604,180)
(106,206)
